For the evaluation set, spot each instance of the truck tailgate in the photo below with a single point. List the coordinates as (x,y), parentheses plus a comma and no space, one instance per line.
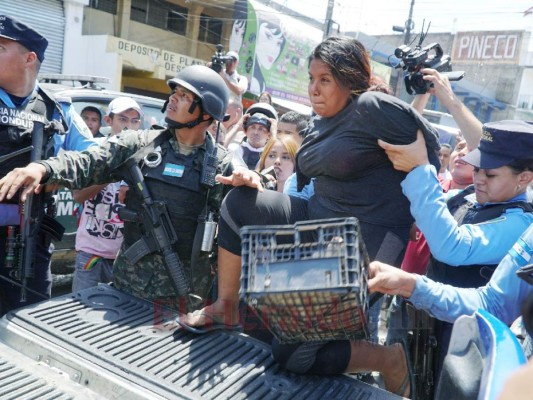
(107,343)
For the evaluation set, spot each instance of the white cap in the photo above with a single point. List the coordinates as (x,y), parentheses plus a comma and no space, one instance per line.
(233,54)
(121,104)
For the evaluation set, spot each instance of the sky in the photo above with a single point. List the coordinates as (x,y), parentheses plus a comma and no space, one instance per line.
(376,17)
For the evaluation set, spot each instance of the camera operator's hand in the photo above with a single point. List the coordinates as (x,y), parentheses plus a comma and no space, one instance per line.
(440,87)
(467,122)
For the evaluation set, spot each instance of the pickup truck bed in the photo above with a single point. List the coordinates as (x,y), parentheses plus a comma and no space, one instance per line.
(103,344)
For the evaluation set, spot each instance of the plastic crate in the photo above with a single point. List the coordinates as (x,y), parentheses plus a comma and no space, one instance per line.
(307,281)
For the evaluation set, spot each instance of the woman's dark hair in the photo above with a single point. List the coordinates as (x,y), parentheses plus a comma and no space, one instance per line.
(349,63)
(519,166)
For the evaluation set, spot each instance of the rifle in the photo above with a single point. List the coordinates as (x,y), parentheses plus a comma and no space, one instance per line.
(159,234)
(422,352)
(24,243)
(15,153)
(30,222)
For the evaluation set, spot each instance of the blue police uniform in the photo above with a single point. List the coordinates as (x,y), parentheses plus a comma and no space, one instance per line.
(78,136)
(455,244)
(468,243)
(38,115)
(502,296)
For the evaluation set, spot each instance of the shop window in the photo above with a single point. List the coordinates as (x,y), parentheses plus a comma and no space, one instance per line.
(109,6)
(139,11)
(157,13)
(177,20)
(210,29)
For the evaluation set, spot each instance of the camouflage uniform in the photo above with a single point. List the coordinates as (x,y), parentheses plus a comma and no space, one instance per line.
(148,278)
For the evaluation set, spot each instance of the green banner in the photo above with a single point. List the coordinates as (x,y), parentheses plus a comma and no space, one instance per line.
(273,50)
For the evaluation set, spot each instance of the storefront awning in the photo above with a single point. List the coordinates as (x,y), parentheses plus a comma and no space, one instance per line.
(292,105)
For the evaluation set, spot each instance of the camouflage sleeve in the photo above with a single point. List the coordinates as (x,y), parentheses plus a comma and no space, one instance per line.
(95,165)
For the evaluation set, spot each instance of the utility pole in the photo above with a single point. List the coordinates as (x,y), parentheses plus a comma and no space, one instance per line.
(328,21)
(409,24)
(406,29)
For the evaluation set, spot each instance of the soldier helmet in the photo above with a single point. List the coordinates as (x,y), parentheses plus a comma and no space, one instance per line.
(207,85)
(263,108)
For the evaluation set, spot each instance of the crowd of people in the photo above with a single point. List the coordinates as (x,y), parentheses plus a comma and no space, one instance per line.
(439,223)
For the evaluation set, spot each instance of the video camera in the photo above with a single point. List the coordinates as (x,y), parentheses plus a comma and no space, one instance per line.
(219,59)
(413,60)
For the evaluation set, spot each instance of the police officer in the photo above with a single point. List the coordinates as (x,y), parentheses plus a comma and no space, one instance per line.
(502,297)
(174,167)
(470,234)
(506,296)
(29,115)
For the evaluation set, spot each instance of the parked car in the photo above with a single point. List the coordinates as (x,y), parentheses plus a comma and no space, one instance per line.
(85,91)
(441,118)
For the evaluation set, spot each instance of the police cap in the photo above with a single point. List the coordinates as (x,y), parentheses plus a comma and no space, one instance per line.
(502,142)
(15,30)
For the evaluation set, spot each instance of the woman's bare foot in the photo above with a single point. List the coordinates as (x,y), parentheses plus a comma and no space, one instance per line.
(396,374)
(220,312)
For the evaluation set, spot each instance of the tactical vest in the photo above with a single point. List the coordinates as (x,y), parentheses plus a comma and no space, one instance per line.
(250,157)
(471,276)
(17,126)
(176,181)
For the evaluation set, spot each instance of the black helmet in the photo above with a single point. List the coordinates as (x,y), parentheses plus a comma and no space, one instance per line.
(207,85)
(263,108)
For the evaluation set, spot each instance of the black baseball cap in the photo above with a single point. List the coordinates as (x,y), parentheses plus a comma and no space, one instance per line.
(15,30)
(502,142)
(260,119)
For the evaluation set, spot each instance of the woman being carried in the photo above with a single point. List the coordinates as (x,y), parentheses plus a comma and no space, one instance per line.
(353,178)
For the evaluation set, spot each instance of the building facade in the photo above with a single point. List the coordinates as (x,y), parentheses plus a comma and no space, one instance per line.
(498,82)
(139,44)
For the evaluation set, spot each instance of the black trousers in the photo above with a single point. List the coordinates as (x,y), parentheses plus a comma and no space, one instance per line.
(246,206)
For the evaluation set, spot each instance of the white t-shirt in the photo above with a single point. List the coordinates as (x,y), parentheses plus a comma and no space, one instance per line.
(235,78)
